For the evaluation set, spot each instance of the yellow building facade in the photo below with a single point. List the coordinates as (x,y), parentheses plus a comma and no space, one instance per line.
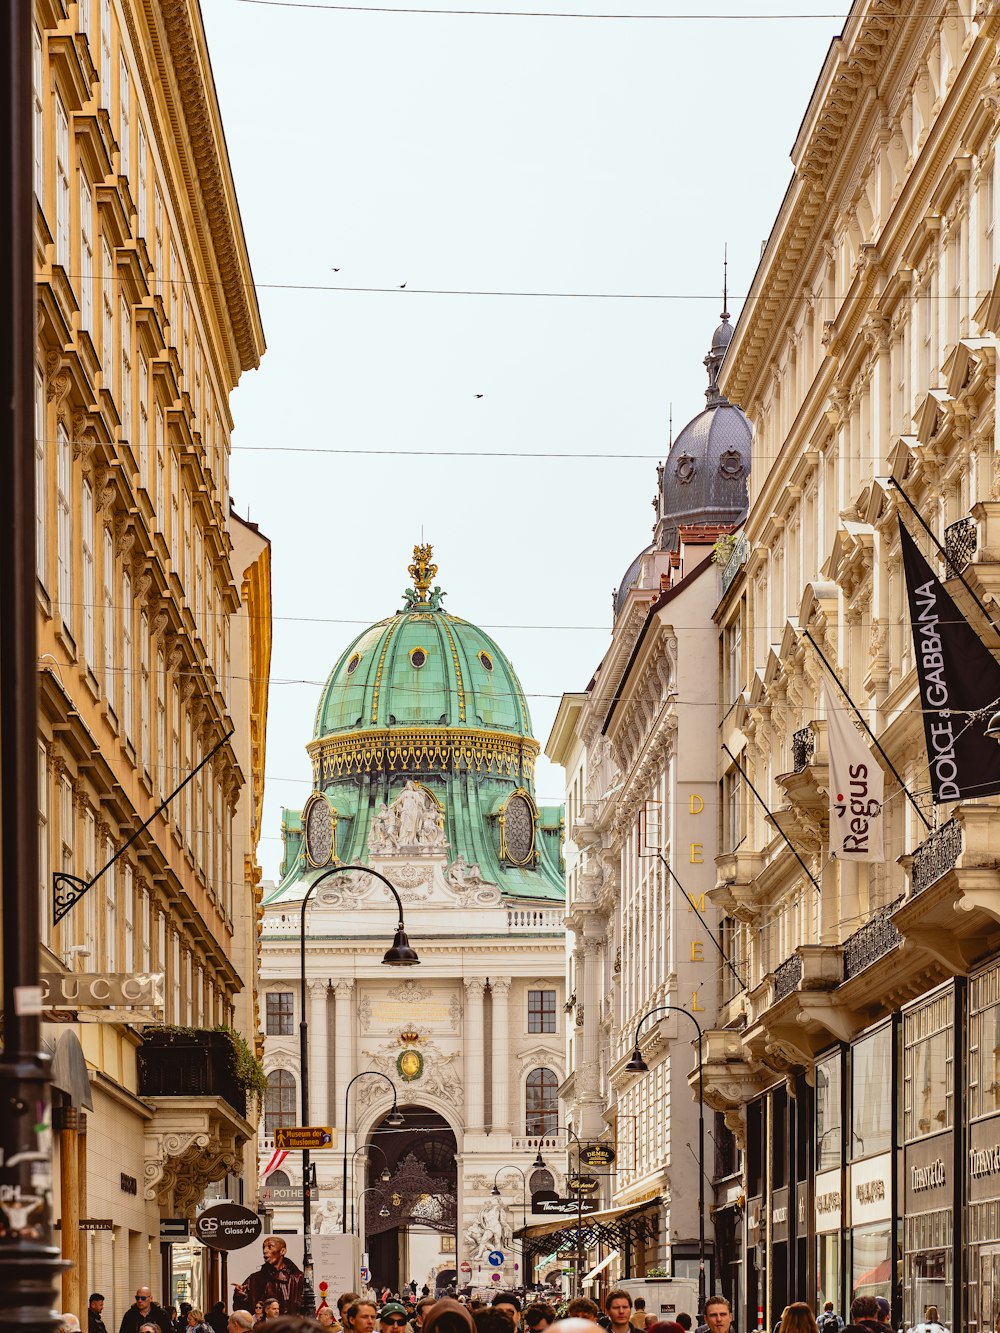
(847,1063)
(153,630)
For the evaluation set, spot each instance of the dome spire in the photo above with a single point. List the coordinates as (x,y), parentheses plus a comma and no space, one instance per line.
(422,572)
(721,339)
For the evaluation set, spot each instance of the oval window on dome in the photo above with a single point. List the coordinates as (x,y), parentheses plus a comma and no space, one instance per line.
(518,830)
(418,656)
(353,664)
(486,660)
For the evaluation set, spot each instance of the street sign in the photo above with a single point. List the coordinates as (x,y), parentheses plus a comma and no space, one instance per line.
(496,1258)
(497,1277)
(366,1274)
(583,1184)
(465,1266)
(597,1154)
(174,1228)
(227,1226)
(296,1137)
(559,1207)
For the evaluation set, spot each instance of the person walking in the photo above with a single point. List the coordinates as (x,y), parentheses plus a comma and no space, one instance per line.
(829,1321)
(95,1313)
(798,1318)
(931,1322)
(144,1311)
(638,1319)
(618,1311)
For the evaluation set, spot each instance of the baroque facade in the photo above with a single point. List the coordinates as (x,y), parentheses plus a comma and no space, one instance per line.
(422,768)
(638,748)
(853,1055)
(153,636)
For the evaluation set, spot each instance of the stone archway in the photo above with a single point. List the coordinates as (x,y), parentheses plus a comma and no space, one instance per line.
(409,1222)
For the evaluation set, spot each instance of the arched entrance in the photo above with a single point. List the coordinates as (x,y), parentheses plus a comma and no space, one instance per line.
(409,1222)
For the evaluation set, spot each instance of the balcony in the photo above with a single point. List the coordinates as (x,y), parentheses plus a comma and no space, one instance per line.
(534,918)
(193,1081)
(960,542)
(873,941)
(803,748)
(936,856)
(787,977)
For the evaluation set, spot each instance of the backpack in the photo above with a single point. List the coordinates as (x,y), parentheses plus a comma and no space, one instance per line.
(829,1322)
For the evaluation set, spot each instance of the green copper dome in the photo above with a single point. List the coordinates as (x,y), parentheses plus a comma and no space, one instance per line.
(422,667)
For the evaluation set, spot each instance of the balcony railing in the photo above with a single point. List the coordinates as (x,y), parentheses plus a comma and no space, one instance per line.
(190,1062)
(960,542)
(936,855)
(787,977)
(803,748)
(739,557)
(534,918)
(872,942)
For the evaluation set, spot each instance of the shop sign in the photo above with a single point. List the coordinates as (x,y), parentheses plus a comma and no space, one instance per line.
(754,1236)
(227,1226)
(984,1159)
(101,990)
(801,1208)
(779,1215)
(871,1190)
(596,1154)
(829,1201)
(927,1174)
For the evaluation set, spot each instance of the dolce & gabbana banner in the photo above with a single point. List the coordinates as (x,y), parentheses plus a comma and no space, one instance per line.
(958,675)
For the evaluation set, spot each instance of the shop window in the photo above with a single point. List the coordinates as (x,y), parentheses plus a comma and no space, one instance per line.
(541,1103)
(927,1245)
(279,1101)
(829,1131)
(755,1156)
(279,1013)
(872,1260)
(871,1095)
(928,1069)
(984,1046)
(779,1138)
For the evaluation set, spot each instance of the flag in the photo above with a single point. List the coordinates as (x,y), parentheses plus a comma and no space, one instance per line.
(958,675)
(277,1157)
(856,783)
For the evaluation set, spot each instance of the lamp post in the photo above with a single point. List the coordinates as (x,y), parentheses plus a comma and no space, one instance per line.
(539,1165)
(372,1189)
(394,1119)
(385,1177)
(399,954)
(495,1191)
(637,1065)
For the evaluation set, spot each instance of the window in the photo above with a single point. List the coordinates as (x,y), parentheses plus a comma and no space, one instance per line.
(128,658)
(91,899)
(541,1011)
(142,185)
(108,884)
(38,114)
(828,1117)
(62,185)
(125,387)
(86,254)
(159,496)
(279,1101)
(928,1068)
(107,310)
(145,950)
(124,116)
(144,472)
(89,590)
(541,1180)
(144,683)
(105,52)
(43,840)
(83,14)
(871,1116)
(280,1012)
(734,660)
(158,238)
(107,574)
(541,1103)
(64,517)
(41,481)
(174,293)
(732,811)
(128,918)
(161,722)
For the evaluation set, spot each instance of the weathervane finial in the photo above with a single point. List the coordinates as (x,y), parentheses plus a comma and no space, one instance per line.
(725,281)
(422,572)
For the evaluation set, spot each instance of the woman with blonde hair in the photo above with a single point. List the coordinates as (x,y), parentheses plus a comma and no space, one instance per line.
(798,1318)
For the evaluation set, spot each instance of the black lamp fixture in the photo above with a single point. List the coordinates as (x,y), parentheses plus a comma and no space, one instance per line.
(637,1065)
(993,727)
(395,1120)
(385,1177)
(494,1191)
(401,953)
(383,1211)
(538,1164)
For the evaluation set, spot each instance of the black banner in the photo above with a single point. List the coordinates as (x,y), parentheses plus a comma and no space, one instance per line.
(958,675)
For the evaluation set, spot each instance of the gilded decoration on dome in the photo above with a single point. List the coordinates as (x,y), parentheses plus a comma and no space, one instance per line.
(422,572)
(426,749)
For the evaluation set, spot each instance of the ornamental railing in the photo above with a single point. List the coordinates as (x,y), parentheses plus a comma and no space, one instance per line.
(960,542)
(739,557)
(534,918)
(936,855)
(803,748)
(873,941)
(787,977)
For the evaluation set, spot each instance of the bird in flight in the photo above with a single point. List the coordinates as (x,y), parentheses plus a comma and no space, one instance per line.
(479,395)
(402,285)
(336,270)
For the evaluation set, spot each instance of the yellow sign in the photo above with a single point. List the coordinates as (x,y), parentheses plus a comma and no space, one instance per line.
(297,1137)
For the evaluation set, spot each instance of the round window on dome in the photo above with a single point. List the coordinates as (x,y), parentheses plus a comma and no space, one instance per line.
(353,664)
(518,835)
(418,656)
(486,660)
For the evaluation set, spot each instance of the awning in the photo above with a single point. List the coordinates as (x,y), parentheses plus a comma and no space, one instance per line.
(589,1277)
(616,1227)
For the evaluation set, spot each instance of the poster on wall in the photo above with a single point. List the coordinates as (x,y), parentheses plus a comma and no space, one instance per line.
(272,1268)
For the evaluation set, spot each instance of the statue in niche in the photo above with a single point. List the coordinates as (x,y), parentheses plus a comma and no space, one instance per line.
(411,823)
(327,1218)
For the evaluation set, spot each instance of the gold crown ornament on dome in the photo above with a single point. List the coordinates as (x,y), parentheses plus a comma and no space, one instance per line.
(422,572)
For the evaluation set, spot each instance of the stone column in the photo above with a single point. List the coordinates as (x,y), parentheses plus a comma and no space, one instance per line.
(319,1092)
(592,1002)
(501,1054)
(474,987)
(344,1045)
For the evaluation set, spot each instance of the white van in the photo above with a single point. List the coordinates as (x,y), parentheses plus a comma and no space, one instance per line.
(665,1297)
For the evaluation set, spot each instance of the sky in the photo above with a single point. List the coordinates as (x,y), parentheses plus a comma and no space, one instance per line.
(611,160)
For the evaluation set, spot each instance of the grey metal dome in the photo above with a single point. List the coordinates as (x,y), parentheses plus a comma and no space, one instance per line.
(704,479)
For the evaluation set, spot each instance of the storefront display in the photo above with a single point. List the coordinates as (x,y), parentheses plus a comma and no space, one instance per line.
(983,1157)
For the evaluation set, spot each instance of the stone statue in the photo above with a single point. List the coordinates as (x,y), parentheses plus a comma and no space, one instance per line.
(460,875)
(381,835)
(490,1231)
(410,806)
(411,823)
(327,1218)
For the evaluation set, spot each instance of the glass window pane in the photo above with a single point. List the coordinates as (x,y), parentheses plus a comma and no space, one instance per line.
(828,1105)
(871,1095)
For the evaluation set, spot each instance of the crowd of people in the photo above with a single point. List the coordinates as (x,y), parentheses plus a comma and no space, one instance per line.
(274,1308)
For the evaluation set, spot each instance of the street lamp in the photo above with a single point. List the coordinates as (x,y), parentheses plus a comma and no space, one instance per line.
(637,1065)
(495,1191)
(394,1119)
(372,1189)
(539,1165)
(399,954)
(385,1176)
